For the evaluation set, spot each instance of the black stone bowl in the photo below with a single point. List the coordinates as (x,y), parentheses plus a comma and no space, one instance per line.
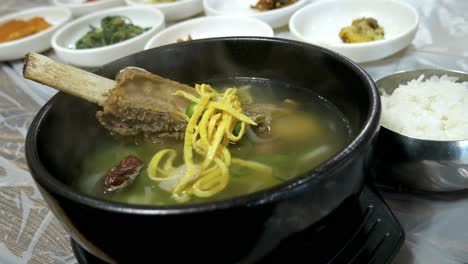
(241,229)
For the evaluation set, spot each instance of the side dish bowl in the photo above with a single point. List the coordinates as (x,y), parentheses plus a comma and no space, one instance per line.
(176,10)
(211,27)
(80,7)
(243,228)
(38,42)
(320,23)
(275,18)
(64,39)
(422,165)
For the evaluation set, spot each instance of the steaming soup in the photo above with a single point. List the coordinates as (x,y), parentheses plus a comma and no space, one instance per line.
(311,131)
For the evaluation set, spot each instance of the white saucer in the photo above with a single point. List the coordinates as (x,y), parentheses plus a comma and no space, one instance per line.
(320,23)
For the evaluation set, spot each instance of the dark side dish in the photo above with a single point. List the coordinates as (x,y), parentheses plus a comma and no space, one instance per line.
(114,29)
(265,5)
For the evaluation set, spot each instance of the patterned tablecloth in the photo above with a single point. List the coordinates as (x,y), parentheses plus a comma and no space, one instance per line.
(435,227)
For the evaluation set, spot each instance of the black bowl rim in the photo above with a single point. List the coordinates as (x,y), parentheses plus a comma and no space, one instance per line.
(287,189)
(415,140)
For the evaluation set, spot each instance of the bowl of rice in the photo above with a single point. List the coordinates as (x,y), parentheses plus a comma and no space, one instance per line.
(423,141)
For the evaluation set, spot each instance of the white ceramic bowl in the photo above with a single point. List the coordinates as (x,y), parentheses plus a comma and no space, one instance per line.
(275,18)
(320,23)
(80,7)
(180,9)
(64,39)
(211,27)
(39,42)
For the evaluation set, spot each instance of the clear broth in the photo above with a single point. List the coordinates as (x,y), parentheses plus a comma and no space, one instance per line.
(331,133)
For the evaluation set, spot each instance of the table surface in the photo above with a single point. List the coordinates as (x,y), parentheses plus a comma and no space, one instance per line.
(435,227)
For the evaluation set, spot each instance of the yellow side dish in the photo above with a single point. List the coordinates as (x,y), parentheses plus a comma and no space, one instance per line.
(16,29)
(362,30)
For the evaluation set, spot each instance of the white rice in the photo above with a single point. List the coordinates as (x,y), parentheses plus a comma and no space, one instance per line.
(435,109)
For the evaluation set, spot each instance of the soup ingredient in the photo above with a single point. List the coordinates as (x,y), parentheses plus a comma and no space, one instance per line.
(362,30)
(189,38)
(209,131)
(432,108)
(287,158)
(265,5)
(304,128)
(141,105)
(123,174)
(114,29)
(16,29)
(190,109)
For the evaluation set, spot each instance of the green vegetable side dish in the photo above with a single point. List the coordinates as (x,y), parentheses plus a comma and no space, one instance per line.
(114,29)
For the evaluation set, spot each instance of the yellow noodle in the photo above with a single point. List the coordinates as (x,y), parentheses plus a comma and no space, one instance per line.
(253,165)
(183,115)
(203,125)
(205,88)
(212,124)
(153,165)
(218,137)
(188,154)
(188,96)
(219,180)
(168,165)
(181,198)
(197,145)
(226,156)
(232,112)
(209,132)
(234,138)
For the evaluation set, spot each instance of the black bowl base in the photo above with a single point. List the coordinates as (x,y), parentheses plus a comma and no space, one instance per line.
(363,232)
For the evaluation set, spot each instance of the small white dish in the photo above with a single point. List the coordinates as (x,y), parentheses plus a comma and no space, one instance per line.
(39,42)
(81,7)
(275,18)
(177,10)
(64,39)
(320,23)
(211,27)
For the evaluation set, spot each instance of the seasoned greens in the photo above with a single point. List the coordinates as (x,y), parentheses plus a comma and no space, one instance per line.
(266,5)
(114,29)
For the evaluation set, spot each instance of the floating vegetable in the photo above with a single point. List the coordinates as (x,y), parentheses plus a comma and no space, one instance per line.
(16,29)
(114,29)
(190,109)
